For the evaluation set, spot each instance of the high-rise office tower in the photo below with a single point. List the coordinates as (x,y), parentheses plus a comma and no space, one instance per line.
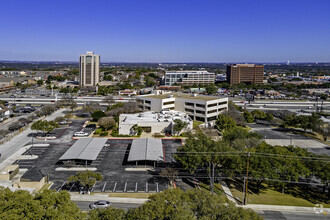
(89,69)
(245,73)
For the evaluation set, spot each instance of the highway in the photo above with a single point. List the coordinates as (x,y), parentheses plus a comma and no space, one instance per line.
(42,100)
(308,106)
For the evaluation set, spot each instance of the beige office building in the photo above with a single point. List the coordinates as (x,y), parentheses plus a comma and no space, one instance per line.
(245,73)
(89,69)
(197,107)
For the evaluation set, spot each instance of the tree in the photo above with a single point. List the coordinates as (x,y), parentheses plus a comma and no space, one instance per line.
(91,107)
(14,126)
(257,114)
(40,82)
(109,213)
(85,179)
(44,126)
(323,128)
(46,205)
(47,110)
(211,89)
(192,161)
(192,204)
(97,115)
(170,173)
(269,117)
(178,126)
(248,117)
(106,123)
(225,122)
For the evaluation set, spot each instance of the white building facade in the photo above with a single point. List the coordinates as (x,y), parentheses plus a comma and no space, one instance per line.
(89,69)
(198,107)
(189,77)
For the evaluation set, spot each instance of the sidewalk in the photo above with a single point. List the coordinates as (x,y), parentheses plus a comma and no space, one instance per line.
(96,197)
(257,207)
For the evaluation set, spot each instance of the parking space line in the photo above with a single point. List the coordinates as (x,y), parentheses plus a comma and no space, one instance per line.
(157,190)
(105,183)
(136,184)
(61,187)
(71,187)
(147,187)
(114,187)
(125,187)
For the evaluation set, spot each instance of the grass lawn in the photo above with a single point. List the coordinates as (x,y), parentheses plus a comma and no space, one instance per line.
(270,196)
(131,195)
(217,189)
(196,124)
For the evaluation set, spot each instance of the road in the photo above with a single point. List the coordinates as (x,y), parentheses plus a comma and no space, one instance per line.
(276,215)
(20,140)
(84,205)
(308,106)
(267,215)
(80,100)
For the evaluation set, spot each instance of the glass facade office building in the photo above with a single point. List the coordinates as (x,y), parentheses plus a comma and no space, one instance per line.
(189,78)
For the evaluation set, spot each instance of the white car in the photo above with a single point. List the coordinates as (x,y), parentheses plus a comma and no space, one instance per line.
(100,204)
(80,134)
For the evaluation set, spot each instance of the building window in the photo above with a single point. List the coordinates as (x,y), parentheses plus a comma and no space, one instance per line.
(189,110)
(148,108)
(200,112)
(189,104)
(212,111)
(200,105)
(222,103)
(212,118)
(200,119)
(222,109)
(168,103)
(147,102)
(212,105)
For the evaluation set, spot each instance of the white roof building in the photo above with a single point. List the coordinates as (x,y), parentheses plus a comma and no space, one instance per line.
(152,122)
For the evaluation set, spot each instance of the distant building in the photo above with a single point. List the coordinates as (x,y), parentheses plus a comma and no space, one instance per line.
(198,107)
(89,69)
(189,77)
(245,73)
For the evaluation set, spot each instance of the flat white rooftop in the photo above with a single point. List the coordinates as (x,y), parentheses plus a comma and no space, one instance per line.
(163,116)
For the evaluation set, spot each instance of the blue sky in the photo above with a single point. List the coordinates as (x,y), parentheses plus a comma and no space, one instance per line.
(166,30)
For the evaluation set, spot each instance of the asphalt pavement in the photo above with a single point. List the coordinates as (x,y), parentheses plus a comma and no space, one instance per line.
(84,205)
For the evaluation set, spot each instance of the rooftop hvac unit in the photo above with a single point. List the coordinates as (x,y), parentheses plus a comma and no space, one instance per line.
(194,95)
(169,96)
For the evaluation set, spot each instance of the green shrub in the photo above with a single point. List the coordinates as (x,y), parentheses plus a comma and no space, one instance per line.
(158,135)
(98,131)
(104,133)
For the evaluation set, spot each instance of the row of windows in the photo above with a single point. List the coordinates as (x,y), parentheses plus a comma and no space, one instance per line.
(189,110)
(168,103)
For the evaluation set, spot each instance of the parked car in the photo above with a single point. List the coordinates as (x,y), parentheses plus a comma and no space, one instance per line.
(100,204)
(80,134)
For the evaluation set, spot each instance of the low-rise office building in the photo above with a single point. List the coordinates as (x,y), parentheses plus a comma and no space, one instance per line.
(152,122)
(189,77)
(198,107)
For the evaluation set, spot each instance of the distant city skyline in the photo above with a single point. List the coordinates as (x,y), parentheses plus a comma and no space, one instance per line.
(185,31)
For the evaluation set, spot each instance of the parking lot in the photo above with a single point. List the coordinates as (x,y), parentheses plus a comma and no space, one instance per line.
(276,136)
(111,163)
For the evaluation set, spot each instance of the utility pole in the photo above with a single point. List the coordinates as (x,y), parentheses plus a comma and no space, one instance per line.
(247,179)
(212,178)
